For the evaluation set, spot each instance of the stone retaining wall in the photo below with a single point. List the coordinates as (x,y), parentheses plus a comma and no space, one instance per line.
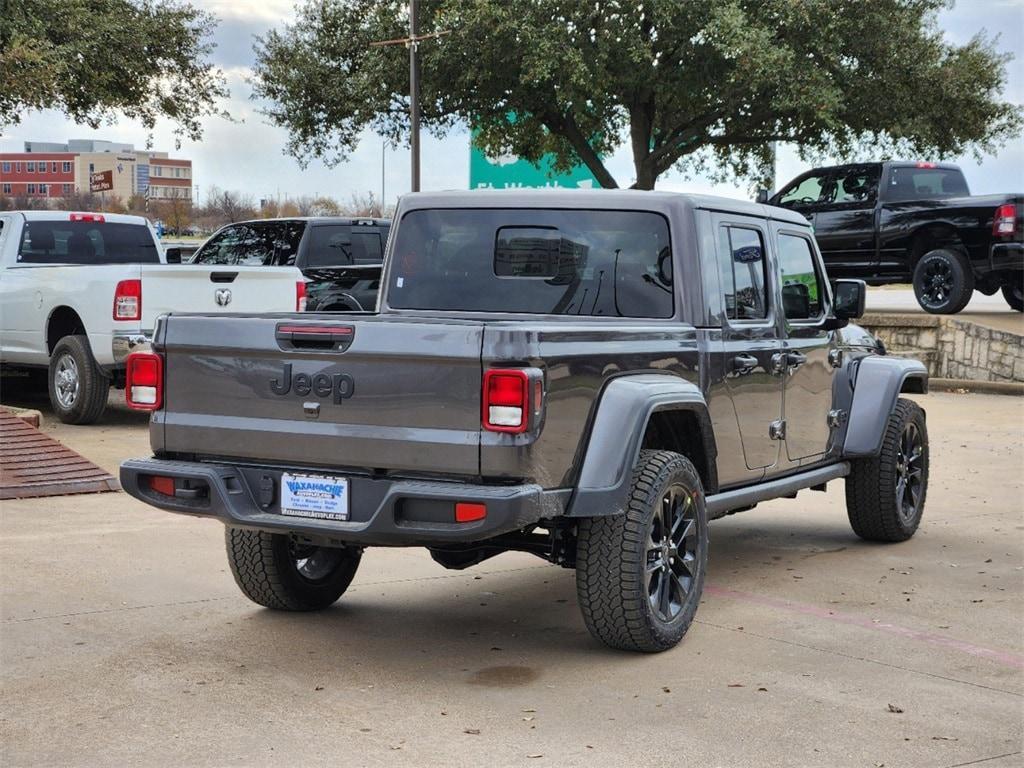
(951,348)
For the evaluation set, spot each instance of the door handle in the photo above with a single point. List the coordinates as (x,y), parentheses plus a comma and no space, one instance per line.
(744,363)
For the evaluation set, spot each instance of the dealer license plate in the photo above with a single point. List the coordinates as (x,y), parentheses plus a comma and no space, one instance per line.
(317,496)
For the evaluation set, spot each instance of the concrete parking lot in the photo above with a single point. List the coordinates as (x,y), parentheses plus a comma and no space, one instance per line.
(125,641)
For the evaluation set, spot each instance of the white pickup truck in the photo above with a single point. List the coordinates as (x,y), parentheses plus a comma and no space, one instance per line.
(79,291)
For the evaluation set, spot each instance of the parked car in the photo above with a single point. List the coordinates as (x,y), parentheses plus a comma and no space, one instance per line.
(340,257)
(586,376)
(898,222)
(80,291)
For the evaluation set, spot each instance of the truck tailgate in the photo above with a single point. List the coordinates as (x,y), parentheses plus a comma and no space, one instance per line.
(367,392)
(202,288)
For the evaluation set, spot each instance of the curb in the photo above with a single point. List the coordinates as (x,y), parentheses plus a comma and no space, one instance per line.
(981,387)
(29,416)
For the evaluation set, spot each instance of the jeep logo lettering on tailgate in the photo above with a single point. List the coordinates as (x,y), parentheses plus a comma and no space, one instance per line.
(339,385)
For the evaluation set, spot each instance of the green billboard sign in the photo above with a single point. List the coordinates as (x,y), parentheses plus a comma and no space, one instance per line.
(510,172)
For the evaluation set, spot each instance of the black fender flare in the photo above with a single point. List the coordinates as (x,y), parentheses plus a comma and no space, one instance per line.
(617,429)
(880,379)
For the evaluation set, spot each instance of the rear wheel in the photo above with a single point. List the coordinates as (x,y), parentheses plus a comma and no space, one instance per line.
(78,388)
(275,571)
(885,494)
(639,575)
(943,282)
(1014,295)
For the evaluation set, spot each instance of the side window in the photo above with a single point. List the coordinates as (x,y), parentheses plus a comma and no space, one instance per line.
(802,289)
(855,186)
(742,267)
(803,193)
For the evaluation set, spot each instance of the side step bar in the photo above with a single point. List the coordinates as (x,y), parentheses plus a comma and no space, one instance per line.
(721,503)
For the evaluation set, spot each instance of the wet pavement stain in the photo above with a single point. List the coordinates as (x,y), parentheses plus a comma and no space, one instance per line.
(504,676)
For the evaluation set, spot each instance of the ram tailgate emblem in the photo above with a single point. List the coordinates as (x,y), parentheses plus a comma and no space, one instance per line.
(222,296)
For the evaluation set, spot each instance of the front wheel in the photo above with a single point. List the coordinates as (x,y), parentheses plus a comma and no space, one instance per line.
(1014,295)
(78,388)
(275,571)
(639,575)
(885,493)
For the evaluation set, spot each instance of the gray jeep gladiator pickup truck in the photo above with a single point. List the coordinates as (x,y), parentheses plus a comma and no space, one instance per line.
(589,376)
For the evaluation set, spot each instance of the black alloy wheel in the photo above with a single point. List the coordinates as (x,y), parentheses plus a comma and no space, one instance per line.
(672,553)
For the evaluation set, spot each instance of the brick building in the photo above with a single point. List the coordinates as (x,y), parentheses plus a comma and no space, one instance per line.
(53,170)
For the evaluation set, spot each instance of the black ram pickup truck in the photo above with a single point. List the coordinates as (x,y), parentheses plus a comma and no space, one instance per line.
(587,376)
(339,257)
(899,222)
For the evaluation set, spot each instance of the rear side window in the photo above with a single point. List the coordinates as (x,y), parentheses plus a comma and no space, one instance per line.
(802,289)
(86,242)
(571,262)
(742,272)
(913,183)
(339,245)
(253,244)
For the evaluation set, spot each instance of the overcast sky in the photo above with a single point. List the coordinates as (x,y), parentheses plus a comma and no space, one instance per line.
(248,155)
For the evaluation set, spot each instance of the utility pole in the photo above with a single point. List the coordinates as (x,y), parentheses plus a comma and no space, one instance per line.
(414,96)
(412,42)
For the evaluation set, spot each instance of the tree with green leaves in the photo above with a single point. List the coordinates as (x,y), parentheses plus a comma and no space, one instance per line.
(95,59)
(696,85)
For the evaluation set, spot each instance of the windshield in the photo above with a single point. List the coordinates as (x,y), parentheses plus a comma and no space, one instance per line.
(253,244)
(592,263)
(86,242)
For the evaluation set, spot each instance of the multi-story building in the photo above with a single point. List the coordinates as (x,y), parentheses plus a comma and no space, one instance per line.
(53,170)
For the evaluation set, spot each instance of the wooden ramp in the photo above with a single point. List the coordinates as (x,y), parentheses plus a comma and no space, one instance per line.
(33,464)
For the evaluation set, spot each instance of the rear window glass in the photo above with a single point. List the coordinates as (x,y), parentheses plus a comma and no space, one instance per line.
(86,242)
(335,245)
(908,183)
(596,263)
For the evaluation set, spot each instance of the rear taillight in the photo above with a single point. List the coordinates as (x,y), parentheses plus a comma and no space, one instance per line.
(144,381)
(300,296)
(1005,221)
(128,300)
(506,399)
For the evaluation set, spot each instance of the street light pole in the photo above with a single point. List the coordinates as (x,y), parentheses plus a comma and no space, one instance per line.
(414,95)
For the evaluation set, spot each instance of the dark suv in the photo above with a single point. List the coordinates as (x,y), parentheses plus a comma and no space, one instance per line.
(340,257)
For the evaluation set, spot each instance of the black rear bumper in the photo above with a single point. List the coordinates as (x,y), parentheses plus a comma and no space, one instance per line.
(1006,257)
(382,511)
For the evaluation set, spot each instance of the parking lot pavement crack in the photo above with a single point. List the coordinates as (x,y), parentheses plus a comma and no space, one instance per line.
(865,659)
(981,760)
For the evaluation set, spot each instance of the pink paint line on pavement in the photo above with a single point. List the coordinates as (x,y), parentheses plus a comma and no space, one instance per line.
(1000,657)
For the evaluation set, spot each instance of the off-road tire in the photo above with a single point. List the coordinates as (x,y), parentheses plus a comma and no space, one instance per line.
(90,400)
(948,264)
(612,558)
(1014,295)
(872,485)
(264,567)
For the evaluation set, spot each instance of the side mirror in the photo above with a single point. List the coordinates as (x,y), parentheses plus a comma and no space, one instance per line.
(173,255)
(848,301)
(762,196)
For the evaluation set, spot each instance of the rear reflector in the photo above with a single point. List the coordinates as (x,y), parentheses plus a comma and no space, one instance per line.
(505,400)
(300,296)
(128,300)
(164,485)
(96,217)
(466,512)
(1005,221)
(144,381)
